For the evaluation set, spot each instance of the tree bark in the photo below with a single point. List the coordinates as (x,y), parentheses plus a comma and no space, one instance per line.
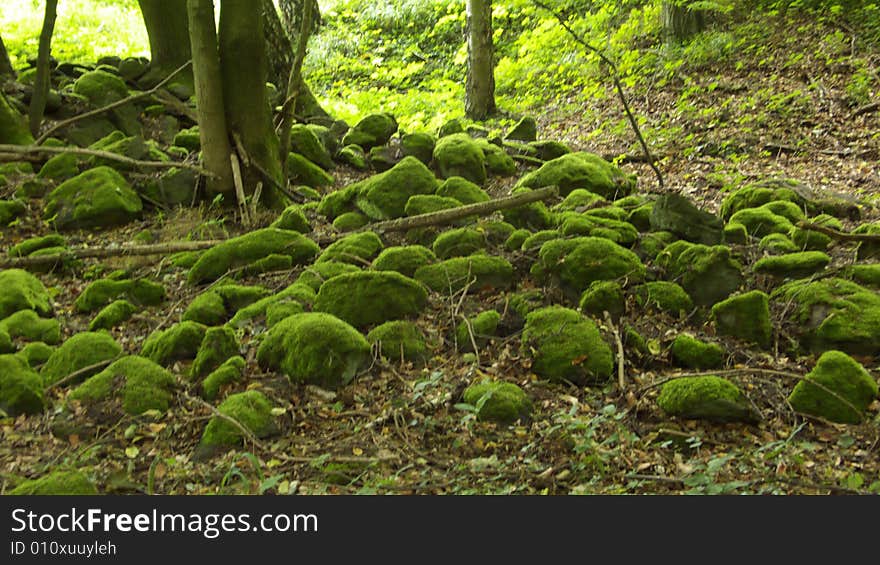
(679,21)
(294,86)
(44,70)
(168,30)
(6,69)
(480,88)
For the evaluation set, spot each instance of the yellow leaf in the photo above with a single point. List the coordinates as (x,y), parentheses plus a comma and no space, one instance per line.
(357,451)
(132,452)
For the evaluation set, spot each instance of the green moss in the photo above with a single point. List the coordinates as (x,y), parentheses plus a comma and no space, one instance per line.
(706,398)
(692,353)
(60,167)
(189,139)
(214,307)
(459,242)
(477,271)
(357,249)
(280,310)
(707,274)
(526,301)
(458,155)
(227,373)
(371,297)
(745,316)
(666,296)
(13,126)
(350,221)
(251,409)
(760,193)
(305,142)
(582,170)
(270,263)
(538,239)
(314,348)
(97,198)
(617,231)
(868,249)
(788,210)
(640,218)
(400,340)
(450,127)
(10,210)
(218,345)
(371,131)
(248,248)
(78,352)
(57,483)
(293,219)
(297,292)
(462,190)
(429,203)
(498,162)
(113,315)
(28,325)
(838,389)
(808,239)
(580,200)
(549,149)
(577,262)
(6,345)
(517,239)
(36,353)
(317,274)
(303,171)
(20,290)
(405,260)
(101,89)
(141,292)
(28,246)
(418,145)
(567,346)
(761,221)
(778,244)
(833,314)
(533,216)
(865,274)
(603,296)
(184,259)
(500,402)
(793,265)
(606,212)
(384,196)
(138,383)
(21,389)
(677,214)
(480,327)
(180,341)
(651,244)
(526,129)
(354,156)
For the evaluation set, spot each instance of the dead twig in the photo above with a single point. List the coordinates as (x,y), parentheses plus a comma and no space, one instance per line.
(103,252)
(35,149)
(839,235)
(72,377)
(621,375)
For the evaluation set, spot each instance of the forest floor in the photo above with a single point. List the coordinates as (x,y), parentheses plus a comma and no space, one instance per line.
(398,428)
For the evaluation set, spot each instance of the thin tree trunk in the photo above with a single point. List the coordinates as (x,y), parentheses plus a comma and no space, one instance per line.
(679,21)
(44,70)
(213,132)
(294,86)
(6,69)
(480,88)
(168,30)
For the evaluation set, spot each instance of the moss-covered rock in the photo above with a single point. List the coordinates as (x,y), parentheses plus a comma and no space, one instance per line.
(651,244)
(136,382)
(833,313)
(496,401)
(214,307)
(21,389)
(459,242)
(28,325)
(371,297)
(580,200)
(188,139)
(690,352)
(371,131)
(305,142)
(357,249)
(516,239)
(477,329)
(97,198)
(303,171)
(292,219)
(57,483)
(617,231)
(706,398)
(868,250)
(603,296)
(581,170)
(384,196)
(666,296)
(547,150)
(461,156)
(641,217)
(538,239)
(677,214)
(6,345)
(218,345)
(788,210)
(314,348)
(28,246)
(319,273)
(777,244)
(101,89)
(60,167)
(567,346)
(865,274)
(248,248)
(13,126)
(761,221)
(36,353)
(400,340)
(405,260)
(498,162)
(526,129)
(793,265)
(577,262)
(98,294)
(350,221)
(760,193)
(808,240)
(533,216)
(227,373)
(462,190)
(180,341)
(251,409)
(522,303)
(418,145)
(478,271)
(354,156)
(299,293)
(428,203)
(78,352)
(745,316)
(838,389)
(708,274)
(10,210)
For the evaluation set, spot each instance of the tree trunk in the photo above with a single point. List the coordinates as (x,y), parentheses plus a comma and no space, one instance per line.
(480,88)
(248,114)
(167,27)
(213,131)
(679,21)
(44,70)
(6,69)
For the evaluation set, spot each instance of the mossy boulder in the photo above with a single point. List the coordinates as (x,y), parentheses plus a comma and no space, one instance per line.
(745,316)
(462,190)
(112,315)
(793,265)
(459,155)
(406,259)
(833,313)
(760,193)
(227,373)
(215,306)
(97,198)
(677,214)
(319,273)
(298,293)
(251,409)
(706,398)
(303,171)
(384,196)
(838,389)
(477,329)
(101,89)
(777,244)
(603,296)
(36,353)
(28,325)
(477,271)
(538,239)
(533,216)
(357,249)
(707,273)
(808,240)
(581,170)
(690,352)
(576,263)
(292,218)
(428,203)
(57,483)
(498,162)
(180,341)
(60,167)
(371,131)
(142,292)
(305,142)
(314,348)
(515,241)
(218,345)
(522,303)
(136,382)
(21,389)
(189,139)
(580,200)
(526,129)
(400,340)
(496,401)
(547,150)
(865,274)
(354,156)
(350,221)
(868,250)
(371,297)
(10,210)
(617,231)
(248,248)
(418,145)
(29,246)
(566,346)
(6,345)
(459,242)
(13,126)
(761,221)
(665,296)
(78,352)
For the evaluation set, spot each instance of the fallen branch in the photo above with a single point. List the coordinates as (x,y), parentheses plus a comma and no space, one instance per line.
(35,149)
(103,252)
(621,375)
(74,376)
(839,235)
(866,109)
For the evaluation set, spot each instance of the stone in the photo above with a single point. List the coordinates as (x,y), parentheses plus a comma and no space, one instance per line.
(21,389)
(665,296)
(78,352)
(706,398)
(838,389)
(793,265)
(477,271)
(499,402)
(692,353)
(101,89)
(460,155)
(319,273)
(462,190)
(400,340)
(97,198)
(113,315)
(405,260)
(601,297)
(477,329)
(306,143)
(57,483)
(141,292)
(218,345)
(251,409)
(20,290)
(371,297)
(302,171)
(708,274)
(418,145)
(373,130)
(356,249)
(227,373)
(459,242)
(384,196)
(745,316)
(524,130)
(576,263)
(137,383)
(28,325)
(179,342)
(581,170)
(677,214)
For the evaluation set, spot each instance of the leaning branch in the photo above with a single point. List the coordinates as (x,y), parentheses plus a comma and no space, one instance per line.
(839,235)
(34,149)
(104,252)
